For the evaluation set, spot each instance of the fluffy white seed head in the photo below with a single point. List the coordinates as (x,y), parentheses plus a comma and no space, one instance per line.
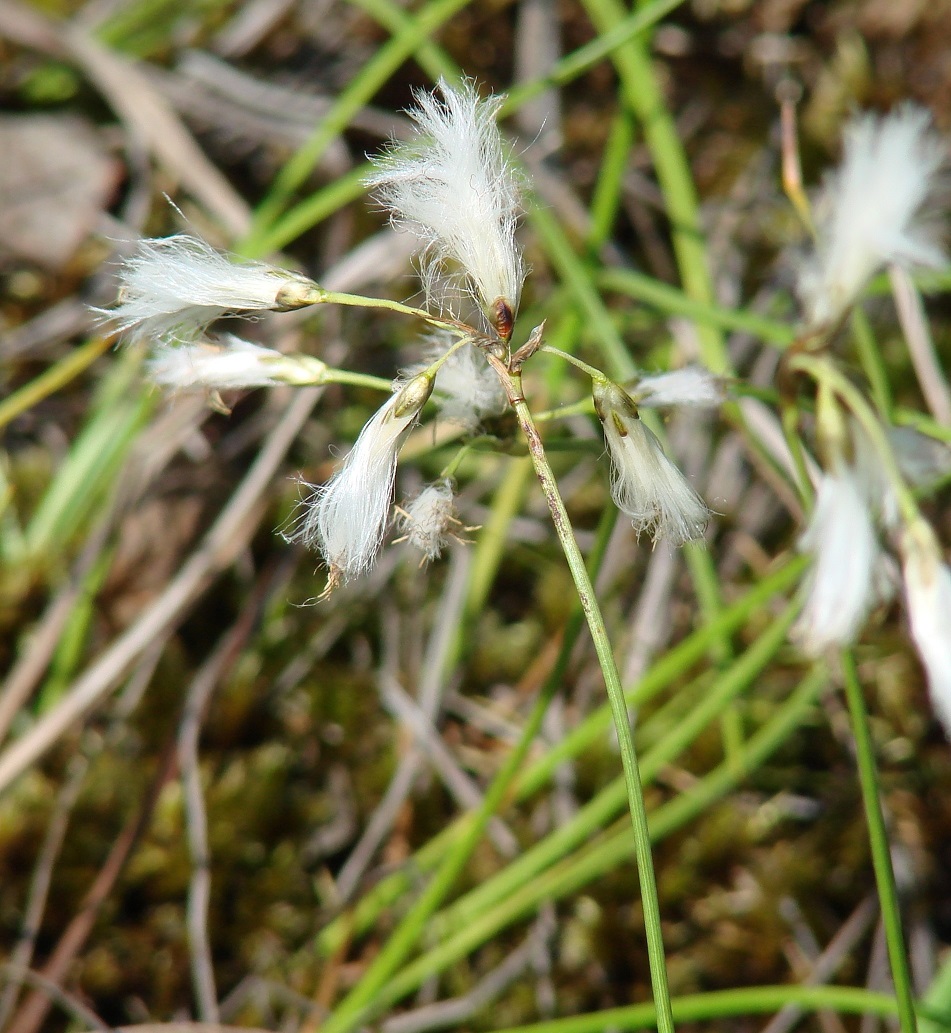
(928,597)
(228,362)
(868,213)
(841,584)
(173,287)
(455,189)
(645,484)
(345,519)
(468,390)
(429,521)
(692,385)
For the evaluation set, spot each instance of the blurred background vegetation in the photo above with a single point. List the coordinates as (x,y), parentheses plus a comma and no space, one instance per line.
(238,794)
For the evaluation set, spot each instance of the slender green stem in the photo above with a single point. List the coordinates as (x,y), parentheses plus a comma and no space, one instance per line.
(346,376)
(878,837)
(756,1000)
(822,370)
(378,975)
(52,379)
(585,367)
(643,95)
(572,65)
(371,77)
(359,301)
(612,679)
(872,363)
(673,300)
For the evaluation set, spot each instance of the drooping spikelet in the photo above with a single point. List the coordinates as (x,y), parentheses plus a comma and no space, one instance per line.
(228,362)
(173,287)
(645,484)
(345,519)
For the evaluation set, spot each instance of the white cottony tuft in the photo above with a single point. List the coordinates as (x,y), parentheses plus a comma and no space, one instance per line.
(468,390)
(345,519)
(455,189)
(928,595)
(229,362)
(645,484)
(841,585)
(429,521)
(692,385)
(868,213)
(173,287)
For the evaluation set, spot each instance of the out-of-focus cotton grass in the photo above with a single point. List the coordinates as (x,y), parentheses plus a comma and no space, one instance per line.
(845,552)
(229,362)
(928,597)
(691,386)
(870,211)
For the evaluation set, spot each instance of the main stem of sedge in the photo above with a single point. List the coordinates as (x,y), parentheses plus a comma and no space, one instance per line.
(612,681)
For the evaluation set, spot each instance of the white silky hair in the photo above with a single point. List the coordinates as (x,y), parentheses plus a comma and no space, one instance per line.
(846,573)
(345,519)
(691,385)
(454,187)
(645,485)
(173,287)
(468,390)
(429,519)
(928,597)
(868,212)
(226,363)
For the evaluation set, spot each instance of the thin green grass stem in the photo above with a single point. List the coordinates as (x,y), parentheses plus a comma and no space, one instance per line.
(725,1004)
(871,358)
(346,376)
(643,95)
(675,302)
(52,380)
(612,679)
(878,838)
(606,805)
(672,665)
(609,187)
(612,849)
(365,995)
(575,64)
(433,60)
(571,268)
(460,330)
(306,214)
(88,473)
(493,538)
(361,89)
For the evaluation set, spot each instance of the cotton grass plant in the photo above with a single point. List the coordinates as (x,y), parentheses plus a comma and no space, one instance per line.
(454,188)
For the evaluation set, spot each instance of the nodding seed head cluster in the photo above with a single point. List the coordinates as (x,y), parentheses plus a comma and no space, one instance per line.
(454,187)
